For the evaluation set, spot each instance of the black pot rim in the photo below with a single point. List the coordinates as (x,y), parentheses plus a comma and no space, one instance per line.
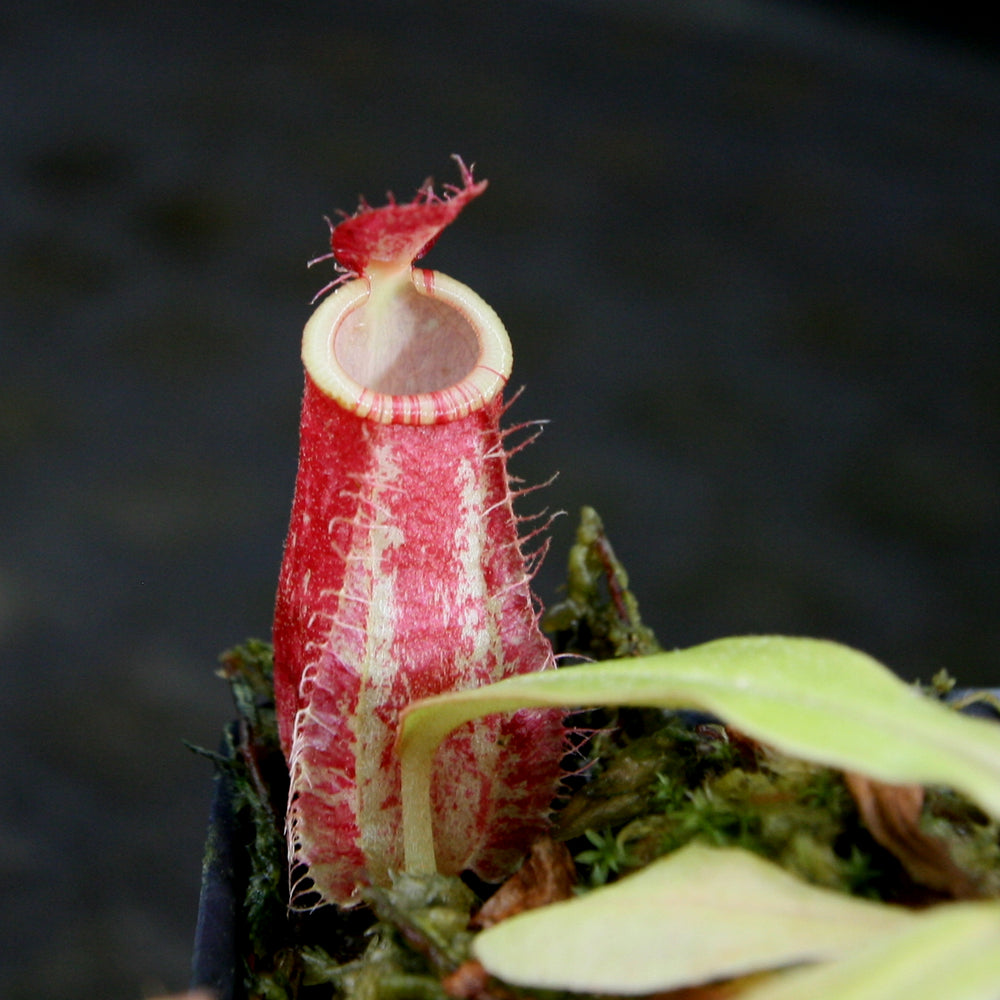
(215,963)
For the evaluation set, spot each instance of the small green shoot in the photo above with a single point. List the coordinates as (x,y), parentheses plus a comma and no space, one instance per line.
(607,856)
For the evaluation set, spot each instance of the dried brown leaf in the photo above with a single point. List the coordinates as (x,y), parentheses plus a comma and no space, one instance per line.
(470,981)
(547,876)
(892,815)
(726,990)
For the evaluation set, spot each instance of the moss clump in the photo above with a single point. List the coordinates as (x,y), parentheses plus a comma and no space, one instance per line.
(599,616)
(699,781)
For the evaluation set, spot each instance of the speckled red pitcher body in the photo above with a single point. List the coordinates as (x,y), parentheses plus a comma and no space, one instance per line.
(403,576)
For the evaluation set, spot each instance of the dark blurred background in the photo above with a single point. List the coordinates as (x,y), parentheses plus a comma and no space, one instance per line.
(748,256)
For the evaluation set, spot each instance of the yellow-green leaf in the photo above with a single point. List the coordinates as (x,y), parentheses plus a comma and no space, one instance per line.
(691,917)
(949,952)
(817,700)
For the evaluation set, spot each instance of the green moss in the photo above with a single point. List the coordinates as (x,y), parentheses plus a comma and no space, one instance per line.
(655,794)
(685,783)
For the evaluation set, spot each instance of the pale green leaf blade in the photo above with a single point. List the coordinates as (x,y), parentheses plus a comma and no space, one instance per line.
(694,916)
(810,698)
(950,951)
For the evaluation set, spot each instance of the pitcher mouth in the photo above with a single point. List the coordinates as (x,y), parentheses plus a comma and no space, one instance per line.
(431,352)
